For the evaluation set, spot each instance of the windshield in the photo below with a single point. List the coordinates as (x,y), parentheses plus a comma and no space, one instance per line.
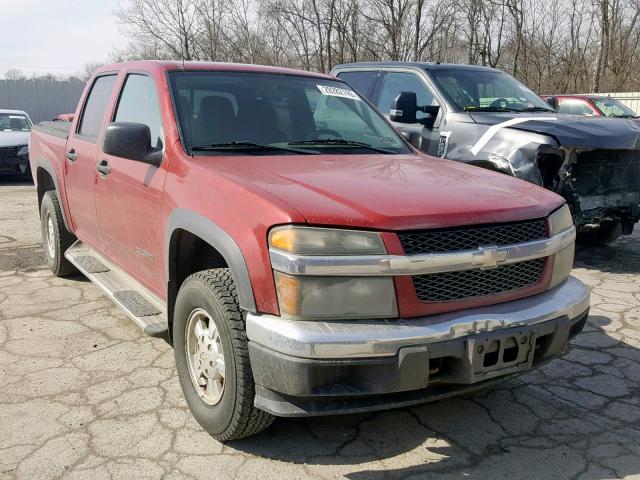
(613,108)
(226,113)
(14,122)
(479,90)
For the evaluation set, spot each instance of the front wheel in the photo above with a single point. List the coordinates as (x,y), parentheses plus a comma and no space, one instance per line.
(212,357)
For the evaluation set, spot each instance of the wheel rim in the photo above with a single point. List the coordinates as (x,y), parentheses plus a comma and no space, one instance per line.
(205,356)
(50,235)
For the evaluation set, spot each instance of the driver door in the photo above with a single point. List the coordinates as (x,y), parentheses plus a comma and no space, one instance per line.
(422,137)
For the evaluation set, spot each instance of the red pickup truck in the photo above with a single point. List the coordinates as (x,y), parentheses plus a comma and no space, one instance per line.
(300,255)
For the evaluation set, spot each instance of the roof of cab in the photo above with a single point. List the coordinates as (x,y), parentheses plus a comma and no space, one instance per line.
(423,65)
(177,65)
(587,96)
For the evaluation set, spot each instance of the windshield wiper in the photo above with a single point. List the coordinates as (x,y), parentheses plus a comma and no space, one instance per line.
(340,142)
(490,109)
(247,146)
(537,109)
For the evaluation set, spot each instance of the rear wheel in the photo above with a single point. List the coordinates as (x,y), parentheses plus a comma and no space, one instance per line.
(212,357)
(605,233)
(55,236)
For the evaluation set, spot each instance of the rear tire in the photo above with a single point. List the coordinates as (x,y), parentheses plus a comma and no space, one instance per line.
(604,234)
(209,327)
(56,239)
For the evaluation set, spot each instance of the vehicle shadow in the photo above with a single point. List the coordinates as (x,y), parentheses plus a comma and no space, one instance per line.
(16,180)
(548,423)
(620,256)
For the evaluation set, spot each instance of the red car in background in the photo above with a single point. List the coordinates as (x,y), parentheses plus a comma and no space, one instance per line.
(596,105)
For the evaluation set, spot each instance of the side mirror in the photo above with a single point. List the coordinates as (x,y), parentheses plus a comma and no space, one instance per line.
(552,102)
(131,141)
(432,114)
(404,108)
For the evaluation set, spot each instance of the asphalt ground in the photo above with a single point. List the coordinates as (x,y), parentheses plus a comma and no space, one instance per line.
(83,394)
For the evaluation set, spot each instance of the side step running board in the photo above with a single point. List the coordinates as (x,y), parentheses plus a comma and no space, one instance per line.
(144,308)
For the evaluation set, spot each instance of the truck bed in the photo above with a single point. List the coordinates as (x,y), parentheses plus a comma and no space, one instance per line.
(57,128)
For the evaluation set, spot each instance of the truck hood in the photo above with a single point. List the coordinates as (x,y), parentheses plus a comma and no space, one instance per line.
(572,130)
(389,192)
(13,139)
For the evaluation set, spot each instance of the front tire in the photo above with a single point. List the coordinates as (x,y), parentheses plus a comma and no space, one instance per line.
(55,236)
(212,357)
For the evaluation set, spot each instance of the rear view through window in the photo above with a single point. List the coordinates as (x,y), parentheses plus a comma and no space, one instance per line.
(226,112)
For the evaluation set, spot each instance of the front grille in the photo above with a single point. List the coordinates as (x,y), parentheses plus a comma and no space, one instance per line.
(467,284)
(9,152)
(603,172)
(470,238)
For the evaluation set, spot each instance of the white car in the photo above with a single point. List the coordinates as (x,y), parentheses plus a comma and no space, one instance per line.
(15,127)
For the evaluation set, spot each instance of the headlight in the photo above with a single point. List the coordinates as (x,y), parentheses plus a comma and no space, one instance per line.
(302,297)
(24,151)
(560,221)
(334,297)
(326,241)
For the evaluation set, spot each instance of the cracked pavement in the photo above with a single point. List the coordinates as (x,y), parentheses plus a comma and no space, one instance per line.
(84,394)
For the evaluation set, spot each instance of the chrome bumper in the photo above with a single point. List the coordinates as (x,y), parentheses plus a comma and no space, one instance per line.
(380,338)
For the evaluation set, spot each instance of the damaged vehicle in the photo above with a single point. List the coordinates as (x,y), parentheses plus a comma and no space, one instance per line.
(484,117)
(15,126)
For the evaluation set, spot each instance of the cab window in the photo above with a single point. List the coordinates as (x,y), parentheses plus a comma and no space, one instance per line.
(139,104)
(360,81)
(95,106)
(397,82)
(574,107)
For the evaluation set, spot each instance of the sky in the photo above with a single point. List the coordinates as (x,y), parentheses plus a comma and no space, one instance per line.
(57,36)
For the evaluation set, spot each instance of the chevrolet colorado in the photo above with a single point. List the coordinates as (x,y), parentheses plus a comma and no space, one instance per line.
(301,256)
(484,117)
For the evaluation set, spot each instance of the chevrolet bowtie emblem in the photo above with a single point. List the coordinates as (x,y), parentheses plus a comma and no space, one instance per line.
(489,257)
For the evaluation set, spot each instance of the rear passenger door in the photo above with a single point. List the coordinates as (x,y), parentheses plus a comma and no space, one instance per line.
(129,197)
(80,160)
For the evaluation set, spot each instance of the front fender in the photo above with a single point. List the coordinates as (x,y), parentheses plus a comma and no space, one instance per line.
(215,236)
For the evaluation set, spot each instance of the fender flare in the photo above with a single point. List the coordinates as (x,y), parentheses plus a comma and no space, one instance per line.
(215,236)
(47,166)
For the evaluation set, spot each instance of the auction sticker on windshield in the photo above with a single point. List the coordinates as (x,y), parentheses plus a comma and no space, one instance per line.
(338,92)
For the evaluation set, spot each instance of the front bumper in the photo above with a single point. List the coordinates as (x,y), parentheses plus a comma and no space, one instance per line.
(13,164)
(306,368)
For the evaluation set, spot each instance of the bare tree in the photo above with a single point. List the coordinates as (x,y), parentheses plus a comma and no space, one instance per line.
(551,45)
(14,74)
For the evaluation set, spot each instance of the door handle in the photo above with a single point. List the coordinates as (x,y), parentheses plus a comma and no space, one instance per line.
(103,167)
(71,155)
